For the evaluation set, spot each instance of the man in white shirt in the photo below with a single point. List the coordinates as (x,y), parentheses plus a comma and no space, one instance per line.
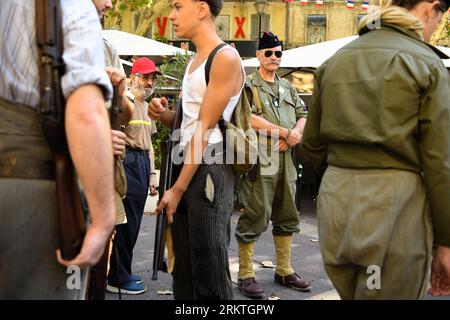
(28,219)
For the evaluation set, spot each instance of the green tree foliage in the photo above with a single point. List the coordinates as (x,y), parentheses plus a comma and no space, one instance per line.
(145,12)
(447,27)
(170,86)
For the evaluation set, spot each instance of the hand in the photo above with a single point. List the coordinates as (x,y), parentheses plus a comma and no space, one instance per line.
(117,78)
(294,138)
(169,202)
(93,247)
(281,145)
(153,185)
(440,272)
(157,107)
(118,141)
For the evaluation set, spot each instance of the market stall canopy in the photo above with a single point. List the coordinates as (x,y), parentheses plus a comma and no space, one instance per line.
(447,52)
(128,44)
(312,56)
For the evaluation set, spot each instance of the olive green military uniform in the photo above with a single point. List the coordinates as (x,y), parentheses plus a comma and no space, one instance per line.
(120,180)
(380,119)
(271,195)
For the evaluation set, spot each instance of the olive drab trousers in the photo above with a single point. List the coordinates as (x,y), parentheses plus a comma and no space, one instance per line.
(271,197)
(375,233)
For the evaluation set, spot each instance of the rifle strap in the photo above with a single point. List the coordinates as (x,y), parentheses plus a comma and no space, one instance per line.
(50,43)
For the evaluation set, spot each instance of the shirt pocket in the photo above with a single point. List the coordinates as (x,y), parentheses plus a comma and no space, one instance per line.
(287,113)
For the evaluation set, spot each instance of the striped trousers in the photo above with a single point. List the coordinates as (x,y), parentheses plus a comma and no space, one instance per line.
(201,236)
(28,219)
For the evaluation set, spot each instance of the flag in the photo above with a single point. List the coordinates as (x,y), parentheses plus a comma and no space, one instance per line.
(319,3)
(365,5)
(350,4)
(303,2)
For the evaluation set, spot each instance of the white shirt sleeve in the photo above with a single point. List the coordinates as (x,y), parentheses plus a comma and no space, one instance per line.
(83,48)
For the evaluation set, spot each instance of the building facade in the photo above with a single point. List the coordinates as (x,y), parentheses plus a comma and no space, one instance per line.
(296,22)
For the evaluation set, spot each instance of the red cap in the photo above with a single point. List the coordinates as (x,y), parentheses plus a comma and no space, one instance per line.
(144,66)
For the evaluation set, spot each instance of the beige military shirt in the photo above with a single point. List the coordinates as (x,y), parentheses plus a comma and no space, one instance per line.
(140,128)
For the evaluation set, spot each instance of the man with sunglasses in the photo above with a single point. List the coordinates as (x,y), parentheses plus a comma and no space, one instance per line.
(139,166)
(270,197)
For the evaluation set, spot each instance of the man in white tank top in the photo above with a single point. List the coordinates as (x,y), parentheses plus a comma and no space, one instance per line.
(200,203)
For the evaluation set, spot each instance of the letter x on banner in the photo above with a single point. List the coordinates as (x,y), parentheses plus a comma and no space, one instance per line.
(240,22)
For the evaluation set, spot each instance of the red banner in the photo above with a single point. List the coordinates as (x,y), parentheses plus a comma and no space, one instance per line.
(161,25)
(240,32)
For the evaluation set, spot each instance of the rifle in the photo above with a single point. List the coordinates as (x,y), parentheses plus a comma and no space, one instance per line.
(116,116)
(166,181)
(71,216)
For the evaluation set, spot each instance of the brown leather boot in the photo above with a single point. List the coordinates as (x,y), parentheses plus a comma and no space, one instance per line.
(293,281)
(250,288)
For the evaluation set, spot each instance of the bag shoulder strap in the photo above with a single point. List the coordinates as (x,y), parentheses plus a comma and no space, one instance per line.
(210,59)
(257,99)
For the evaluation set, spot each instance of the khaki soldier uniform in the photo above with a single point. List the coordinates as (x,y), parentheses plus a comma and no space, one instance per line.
(382,127)
(270,196)
(120,179)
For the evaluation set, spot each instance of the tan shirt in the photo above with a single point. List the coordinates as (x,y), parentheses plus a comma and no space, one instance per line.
(140,128)
(111,60)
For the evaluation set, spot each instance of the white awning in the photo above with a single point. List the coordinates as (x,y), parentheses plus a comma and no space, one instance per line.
(312,56)
(447,52)
(128,44)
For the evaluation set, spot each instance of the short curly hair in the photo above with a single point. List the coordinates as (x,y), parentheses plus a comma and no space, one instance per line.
(214,6)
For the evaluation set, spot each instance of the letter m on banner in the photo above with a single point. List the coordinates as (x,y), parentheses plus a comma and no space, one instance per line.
(185,45)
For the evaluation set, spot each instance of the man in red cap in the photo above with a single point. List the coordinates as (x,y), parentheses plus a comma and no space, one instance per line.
(140,172)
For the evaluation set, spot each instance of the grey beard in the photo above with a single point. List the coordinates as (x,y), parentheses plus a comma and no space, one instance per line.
(141,93)
(149,92)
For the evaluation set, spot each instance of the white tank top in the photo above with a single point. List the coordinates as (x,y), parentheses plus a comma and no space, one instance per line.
(194,89)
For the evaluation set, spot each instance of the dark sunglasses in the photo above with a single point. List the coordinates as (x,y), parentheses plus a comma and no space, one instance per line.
(269,53)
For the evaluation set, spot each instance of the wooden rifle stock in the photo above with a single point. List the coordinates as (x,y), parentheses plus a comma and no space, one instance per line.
(116,116)
(71,216)
(165,183)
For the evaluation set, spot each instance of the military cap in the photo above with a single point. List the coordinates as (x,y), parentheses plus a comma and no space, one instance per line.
(269,40)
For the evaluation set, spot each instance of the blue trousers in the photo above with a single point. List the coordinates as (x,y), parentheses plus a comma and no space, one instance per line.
(137,170)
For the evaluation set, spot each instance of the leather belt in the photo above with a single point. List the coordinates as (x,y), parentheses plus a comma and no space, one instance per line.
(19,168)
(137,150)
